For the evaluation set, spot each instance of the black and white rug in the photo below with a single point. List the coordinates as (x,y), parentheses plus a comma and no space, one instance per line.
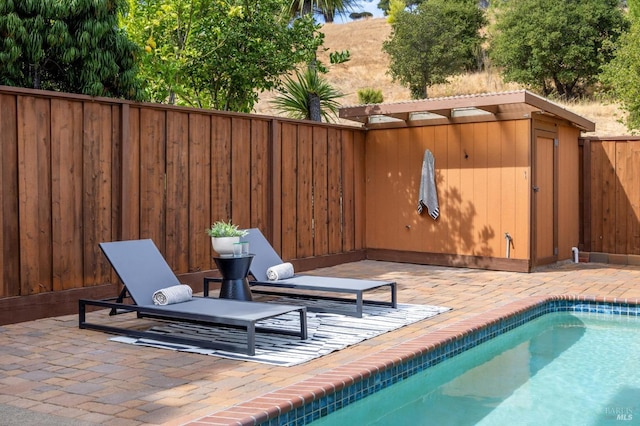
(326,333)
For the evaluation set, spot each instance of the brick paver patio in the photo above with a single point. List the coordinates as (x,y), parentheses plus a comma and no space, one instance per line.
(52,371)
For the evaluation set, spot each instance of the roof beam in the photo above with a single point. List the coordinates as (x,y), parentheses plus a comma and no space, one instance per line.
(497,104)
(493,109)
(404,116)
(443,112)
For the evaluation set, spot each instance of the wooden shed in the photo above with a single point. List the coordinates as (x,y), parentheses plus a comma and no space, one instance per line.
(506,169)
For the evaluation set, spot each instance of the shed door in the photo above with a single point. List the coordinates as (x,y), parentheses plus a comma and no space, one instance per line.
(544,201)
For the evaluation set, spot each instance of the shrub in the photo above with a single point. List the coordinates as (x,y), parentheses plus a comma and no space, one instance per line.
(370,96)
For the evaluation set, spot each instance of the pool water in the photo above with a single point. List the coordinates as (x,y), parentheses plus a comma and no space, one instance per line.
(559,369)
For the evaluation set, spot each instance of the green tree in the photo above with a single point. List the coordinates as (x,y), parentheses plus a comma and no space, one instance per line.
(217,54)
(395,7)
(68,46)
(622,74)
(436,40)
(555,46)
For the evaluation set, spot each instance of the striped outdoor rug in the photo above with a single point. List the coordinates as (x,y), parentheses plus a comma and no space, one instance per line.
(327,333)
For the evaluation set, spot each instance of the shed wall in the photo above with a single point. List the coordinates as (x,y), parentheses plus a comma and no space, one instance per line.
(483,182)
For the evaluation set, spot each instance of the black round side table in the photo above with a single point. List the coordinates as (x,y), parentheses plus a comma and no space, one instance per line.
(234,271)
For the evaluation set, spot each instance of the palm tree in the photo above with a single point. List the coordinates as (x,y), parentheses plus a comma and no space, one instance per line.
(309,80)
(327,8)
(309,98)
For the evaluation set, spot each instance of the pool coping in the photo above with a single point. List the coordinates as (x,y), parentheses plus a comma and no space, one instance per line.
(326,392)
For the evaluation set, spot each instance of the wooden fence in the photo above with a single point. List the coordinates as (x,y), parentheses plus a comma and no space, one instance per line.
(77,170)
(610,195)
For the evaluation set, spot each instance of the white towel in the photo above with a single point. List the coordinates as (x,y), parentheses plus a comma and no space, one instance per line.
(280,272)
(428,196)
(174,294)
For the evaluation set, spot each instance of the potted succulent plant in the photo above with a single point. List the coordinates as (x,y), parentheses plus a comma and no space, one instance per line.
(224,235)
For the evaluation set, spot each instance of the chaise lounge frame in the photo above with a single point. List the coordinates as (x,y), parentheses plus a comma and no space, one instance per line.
(307,286)
(142,269)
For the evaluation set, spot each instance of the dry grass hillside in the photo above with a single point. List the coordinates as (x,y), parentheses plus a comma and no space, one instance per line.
(368,68)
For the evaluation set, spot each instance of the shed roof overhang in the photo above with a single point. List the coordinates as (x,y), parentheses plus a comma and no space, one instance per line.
(461,109)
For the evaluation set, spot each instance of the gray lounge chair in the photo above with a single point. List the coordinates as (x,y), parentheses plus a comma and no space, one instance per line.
(143,270)
(307,286)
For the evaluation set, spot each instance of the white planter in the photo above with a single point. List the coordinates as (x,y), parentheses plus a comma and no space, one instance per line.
(224,245)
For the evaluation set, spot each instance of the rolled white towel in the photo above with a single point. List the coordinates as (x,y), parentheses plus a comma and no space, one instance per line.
(174,294)
(280,272)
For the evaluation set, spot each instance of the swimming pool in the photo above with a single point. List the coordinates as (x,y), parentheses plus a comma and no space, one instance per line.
(432,350)
(561,368)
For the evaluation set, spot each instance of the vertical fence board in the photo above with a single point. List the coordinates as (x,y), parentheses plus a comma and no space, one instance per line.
(199,192)
(320,178)
(259,207)
(348,194)
(117,133)
(96,200)
(621,232)
(120,133)
(35,195)
(633,246)
(609,197)
(633,193)
(220,173)
(374,186)
(66,193)
(304,207)
(583,208)
(597,154)
(359,180)
(240,171)
(334,198)
(129,157)
(220,168)
(289,190)
(152,175)
(9,220)
(274,231)
(179,174)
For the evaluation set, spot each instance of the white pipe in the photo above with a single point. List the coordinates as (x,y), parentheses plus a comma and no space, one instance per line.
(575,251)
(508,238)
